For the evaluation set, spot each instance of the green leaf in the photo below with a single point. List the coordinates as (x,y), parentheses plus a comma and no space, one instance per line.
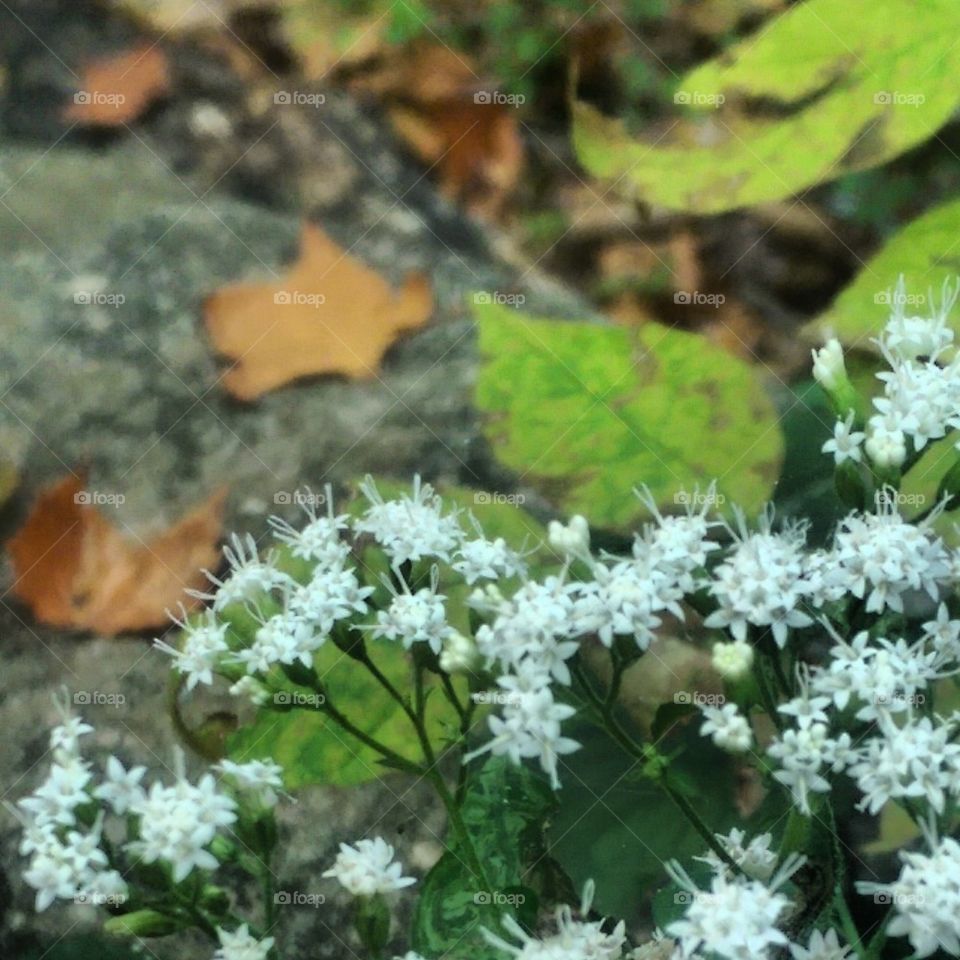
(925,252)
(589,412)
(313,749)
(633,826)
(807,489)
(504,812)
(851,84)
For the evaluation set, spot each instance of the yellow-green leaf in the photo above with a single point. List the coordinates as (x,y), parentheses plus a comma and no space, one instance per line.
(589,412)
(926,252)
(854,83)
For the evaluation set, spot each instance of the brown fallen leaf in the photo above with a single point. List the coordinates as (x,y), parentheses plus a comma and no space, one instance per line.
(117,89)
(75,569)
(328,314)
(456,123)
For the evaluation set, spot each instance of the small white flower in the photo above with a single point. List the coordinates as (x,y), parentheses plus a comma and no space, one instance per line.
(727,727)
(415,618)
(121,787)
(846,442)
(368,867)
(262,779)
(202,644)
(820,946)
(249,688)
(241,945)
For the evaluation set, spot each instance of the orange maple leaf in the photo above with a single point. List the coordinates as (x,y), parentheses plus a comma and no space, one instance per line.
(117,89)
(75,569)
(328,314)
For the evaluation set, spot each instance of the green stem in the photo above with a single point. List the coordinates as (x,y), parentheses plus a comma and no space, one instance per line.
(604,708)
(846,922)
(395,758)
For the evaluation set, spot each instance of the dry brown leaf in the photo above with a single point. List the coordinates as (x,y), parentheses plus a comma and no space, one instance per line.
(328,314)
(117,89)
(75,569)
(451,120)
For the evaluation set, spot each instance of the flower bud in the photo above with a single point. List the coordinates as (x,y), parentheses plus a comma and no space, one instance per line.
(829,369)
(459,654)
(732,660)
(141,923)
(886,448)
(830,372)
(572,539)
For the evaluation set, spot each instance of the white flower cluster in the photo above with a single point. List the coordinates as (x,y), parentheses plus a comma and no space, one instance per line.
(921,395)
(573,939)
(66,823)
(368,867)
(741,915)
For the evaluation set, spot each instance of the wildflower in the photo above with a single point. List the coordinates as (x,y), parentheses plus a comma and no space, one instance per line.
(573,940)
(762,582)
(415,617)
(368,867)
(728,728)
(240,944)
(177,823)
(249,577)
(846,442)
(820,946)
(926,898)
(410,527)
(121,788)
(261,779)
(202,643)
(737,918)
